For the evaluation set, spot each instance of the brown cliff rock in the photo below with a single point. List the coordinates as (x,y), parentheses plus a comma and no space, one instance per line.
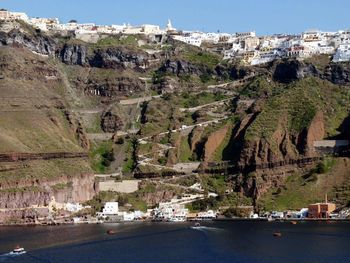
(213,142)
(111,122)
(283,146)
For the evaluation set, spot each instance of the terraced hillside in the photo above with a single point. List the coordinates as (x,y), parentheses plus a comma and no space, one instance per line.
(131,105)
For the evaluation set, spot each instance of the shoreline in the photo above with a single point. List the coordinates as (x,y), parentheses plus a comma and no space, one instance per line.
(187,221)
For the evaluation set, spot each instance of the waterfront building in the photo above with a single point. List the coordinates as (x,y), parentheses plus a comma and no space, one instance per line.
(127,216)
(170,212)
(321,210)
(110,208)
(277,214)
(210,214)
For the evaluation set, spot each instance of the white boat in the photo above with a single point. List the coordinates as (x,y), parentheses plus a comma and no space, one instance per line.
(177,219)
(17,251)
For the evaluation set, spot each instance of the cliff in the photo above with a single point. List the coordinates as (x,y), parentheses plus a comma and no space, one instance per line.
(55,89)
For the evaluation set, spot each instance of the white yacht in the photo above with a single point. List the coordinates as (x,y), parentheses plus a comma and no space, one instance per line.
(18,251)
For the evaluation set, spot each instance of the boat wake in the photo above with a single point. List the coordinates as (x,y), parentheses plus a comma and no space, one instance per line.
(202,228)
(14,253)
(7,256)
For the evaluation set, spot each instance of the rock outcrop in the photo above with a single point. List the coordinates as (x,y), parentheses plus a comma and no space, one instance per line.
(182,67)
(287,71)
(110,87)
(338,73)
(73,55)
(38,43)
(118,58)
(111,122)
(283,144)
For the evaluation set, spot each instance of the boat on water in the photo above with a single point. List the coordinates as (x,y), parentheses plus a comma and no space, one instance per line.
(277,234)
(18,251)
(197,225)
(111,232)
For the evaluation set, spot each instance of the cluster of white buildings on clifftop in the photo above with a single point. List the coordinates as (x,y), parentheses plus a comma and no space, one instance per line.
(246,46)
(53,24)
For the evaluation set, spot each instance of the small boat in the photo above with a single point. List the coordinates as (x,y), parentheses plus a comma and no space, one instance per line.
(18,251)
(197,225)
(293,222)
(111,232)
(277,234)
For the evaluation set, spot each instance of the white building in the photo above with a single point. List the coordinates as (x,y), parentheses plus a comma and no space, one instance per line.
(71,207)
(110,208)
(6,15)
(264,57)
(118,28)
(311,36)
(127,216)
(210,214)
(151,30)
(245,34)
(191,38)
(342,54)
(170,212)
(169,27)
(44,24)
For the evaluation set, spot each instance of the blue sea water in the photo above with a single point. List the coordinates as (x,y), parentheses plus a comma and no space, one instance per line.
(224,241)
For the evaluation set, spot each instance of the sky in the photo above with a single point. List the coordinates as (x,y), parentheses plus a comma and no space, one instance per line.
(262,16)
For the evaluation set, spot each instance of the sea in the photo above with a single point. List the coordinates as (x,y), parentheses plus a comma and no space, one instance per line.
(213,241)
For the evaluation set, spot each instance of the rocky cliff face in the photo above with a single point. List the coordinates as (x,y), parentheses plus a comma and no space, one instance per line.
(38,192)
(159,195)
(115,58)
(338,73)
(113,87)
(73,55)
(31,200)
(181,67)
(283,145)
(118,58)
(111,122)
(77,54)
(290,70)
(38,43)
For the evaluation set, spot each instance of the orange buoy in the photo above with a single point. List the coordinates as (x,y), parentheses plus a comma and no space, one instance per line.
(293,222)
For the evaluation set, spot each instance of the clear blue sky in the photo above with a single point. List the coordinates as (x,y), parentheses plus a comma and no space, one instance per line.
(263,16)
